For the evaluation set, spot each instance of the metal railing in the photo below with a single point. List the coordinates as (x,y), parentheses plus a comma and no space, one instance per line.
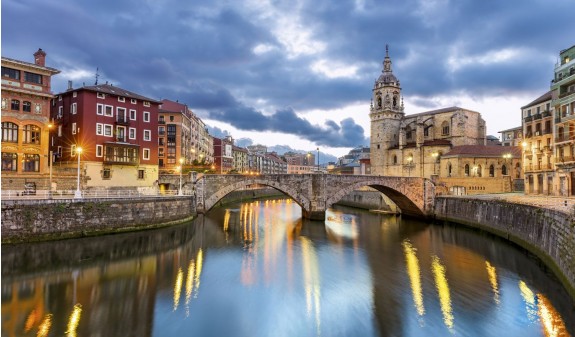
(88,194)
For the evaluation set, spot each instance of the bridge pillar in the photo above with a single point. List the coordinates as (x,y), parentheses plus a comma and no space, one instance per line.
(313,215)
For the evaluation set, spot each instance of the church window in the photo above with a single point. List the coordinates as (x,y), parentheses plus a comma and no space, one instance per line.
(504,170)
(394,160)
(466,170)
(445,128)
(394,101)
(379,101)
(449,170)
(491,171)
(408,132)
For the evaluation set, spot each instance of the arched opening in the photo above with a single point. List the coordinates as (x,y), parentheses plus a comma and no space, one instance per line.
(449,169)
(394,160)
(445,128)
(478,170)
(491,171)
(504,170)
(467,170)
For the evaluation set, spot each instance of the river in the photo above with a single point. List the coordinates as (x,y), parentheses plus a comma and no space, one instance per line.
(258,269)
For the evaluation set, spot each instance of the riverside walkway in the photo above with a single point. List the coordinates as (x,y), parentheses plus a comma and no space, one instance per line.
(562,204)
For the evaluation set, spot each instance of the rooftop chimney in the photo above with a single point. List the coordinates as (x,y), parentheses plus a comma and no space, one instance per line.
(40,58)
(69,85)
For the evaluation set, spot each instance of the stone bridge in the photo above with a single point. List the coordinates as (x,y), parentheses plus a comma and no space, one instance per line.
(317,192)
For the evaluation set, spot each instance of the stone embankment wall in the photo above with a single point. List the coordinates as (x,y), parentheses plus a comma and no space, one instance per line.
(38,220)
(547,233)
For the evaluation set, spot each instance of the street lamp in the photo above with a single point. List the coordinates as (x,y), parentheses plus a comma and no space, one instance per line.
(409,160)
(435,156)
(181,169)
(506,156)
(78,193)
(318,159)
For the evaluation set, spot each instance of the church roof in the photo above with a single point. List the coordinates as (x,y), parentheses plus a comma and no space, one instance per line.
(483,151)
(437,111)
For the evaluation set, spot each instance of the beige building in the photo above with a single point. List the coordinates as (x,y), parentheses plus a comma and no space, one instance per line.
(512,137)
(412,145)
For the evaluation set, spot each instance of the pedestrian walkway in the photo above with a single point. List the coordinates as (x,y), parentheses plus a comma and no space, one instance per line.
(563,204)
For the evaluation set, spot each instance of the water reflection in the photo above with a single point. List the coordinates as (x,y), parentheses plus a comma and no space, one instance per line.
(264,271)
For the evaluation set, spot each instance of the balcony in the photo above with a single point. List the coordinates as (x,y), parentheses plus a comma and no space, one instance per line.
(528,119)
(161,133)
(121,139)
(565,138)
(122,121)
(528,135)
(564,160)
(161,121)
(546,113)
(537,116)
(567,93)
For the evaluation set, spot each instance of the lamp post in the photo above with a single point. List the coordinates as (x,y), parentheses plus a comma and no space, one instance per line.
(435,156)
(50,158)
(181,169)
(78,193)
(409,161)
(318,159)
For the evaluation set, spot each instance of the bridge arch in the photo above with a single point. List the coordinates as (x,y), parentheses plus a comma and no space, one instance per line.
(403,200)
(215,196)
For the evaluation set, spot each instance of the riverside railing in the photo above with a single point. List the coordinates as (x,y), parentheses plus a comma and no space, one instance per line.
(69,194)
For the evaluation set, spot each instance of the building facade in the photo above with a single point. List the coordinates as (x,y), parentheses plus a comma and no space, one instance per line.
(412,145)
(511,137)
(223,155)
(116,130)
(174,136)
(563,103)
(538,159)
(26,124)
(241,160)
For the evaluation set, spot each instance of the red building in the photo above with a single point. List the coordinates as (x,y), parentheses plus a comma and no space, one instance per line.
(117,131)
(223,155)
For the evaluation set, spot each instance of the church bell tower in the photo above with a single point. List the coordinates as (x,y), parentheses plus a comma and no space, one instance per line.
(386,113)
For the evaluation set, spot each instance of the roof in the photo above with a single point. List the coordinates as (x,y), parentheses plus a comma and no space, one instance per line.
(33,65)
(512,129)
(483,151)
(438,111)
(171,106)
(545,97)
(117,91)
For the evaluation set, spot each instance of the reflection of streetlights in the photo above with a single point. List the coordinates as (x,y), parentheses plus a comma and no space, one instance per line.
(181,169)
(78,193)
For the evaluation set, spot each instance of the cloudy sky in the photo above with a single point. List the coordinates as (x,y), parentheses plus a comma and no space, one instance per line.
(300,72)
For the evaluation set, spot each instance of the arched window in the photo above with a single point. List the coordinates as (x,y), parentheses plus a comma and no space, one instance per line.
(9,161)
(9,132)
(504,170)
(31,163)
(15,105)
(491,171)
(560,133)
(408,132)
(31,134)
(449,170)
(478,168)
(394,160)
(467,170)
(379,101)
(445,128)
(26,106)
(517,171)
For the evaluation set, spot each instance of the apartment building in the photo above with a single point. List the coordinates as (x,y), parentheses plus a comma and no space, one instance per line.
(174,136)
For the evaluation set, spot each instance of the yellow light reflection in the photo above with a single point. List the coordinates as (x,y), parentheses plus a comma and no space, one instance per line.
(199,267)
(442,290)
(31,320)
(530,301)
(45,326)
(74,320)
(414,276)
(311,281)
(492,273)
(190,281)
(227,220)
(178,288)
(551,321)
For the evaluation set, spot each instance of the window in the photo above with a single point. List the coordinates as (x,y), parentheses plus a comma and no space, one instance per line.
(31,134)
(9,132)
(378,146)
(121,115)
(394,160)
(26,106)
(60,112)
(101,95)
(171,118)
(59,130)
(99,151)
(504,170)
(467,170)
(31,163)
(73,150)
(121,99)
(146,154)
(15,105)
(59,151)
(147,135)
(133,101)
(146,104)
(11,73)
(141,174)
(33,78)
(160,152)
(99,109)
(73,109)
(4,103)
(9,160)
(73,128)
(491,171)
(109,111)
(99,129)
(408,132)
(74,94)
(449,170)
(106,173)
(161,130)
(132,133)
(445,128)
(107,130)
(132,114)
(146,116)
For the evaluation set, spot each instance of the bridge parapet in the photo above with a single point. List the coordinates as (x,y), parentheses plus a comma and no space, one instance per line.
(317,192)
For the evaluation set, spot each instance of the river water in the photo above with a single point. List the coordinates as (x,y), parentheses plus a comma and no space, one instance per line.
(258,269)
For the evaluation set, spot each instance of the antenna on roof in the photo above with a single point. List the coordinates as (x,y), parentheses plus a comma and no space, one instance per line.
(97,75)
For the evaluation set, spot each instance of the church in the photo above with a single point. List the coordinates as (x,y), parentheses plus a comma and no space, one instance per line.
(442,145)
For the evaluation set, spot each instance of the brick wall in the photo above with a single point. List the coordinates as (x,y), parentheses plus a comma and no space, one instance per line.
(547,233)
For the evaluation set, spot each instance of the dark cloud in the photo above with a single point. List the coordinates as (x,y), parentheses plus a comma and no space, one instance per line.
(202,52)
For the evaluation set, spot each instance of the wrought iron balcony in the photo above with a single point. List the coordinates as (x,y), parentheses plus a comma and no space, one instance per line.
(122,121)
